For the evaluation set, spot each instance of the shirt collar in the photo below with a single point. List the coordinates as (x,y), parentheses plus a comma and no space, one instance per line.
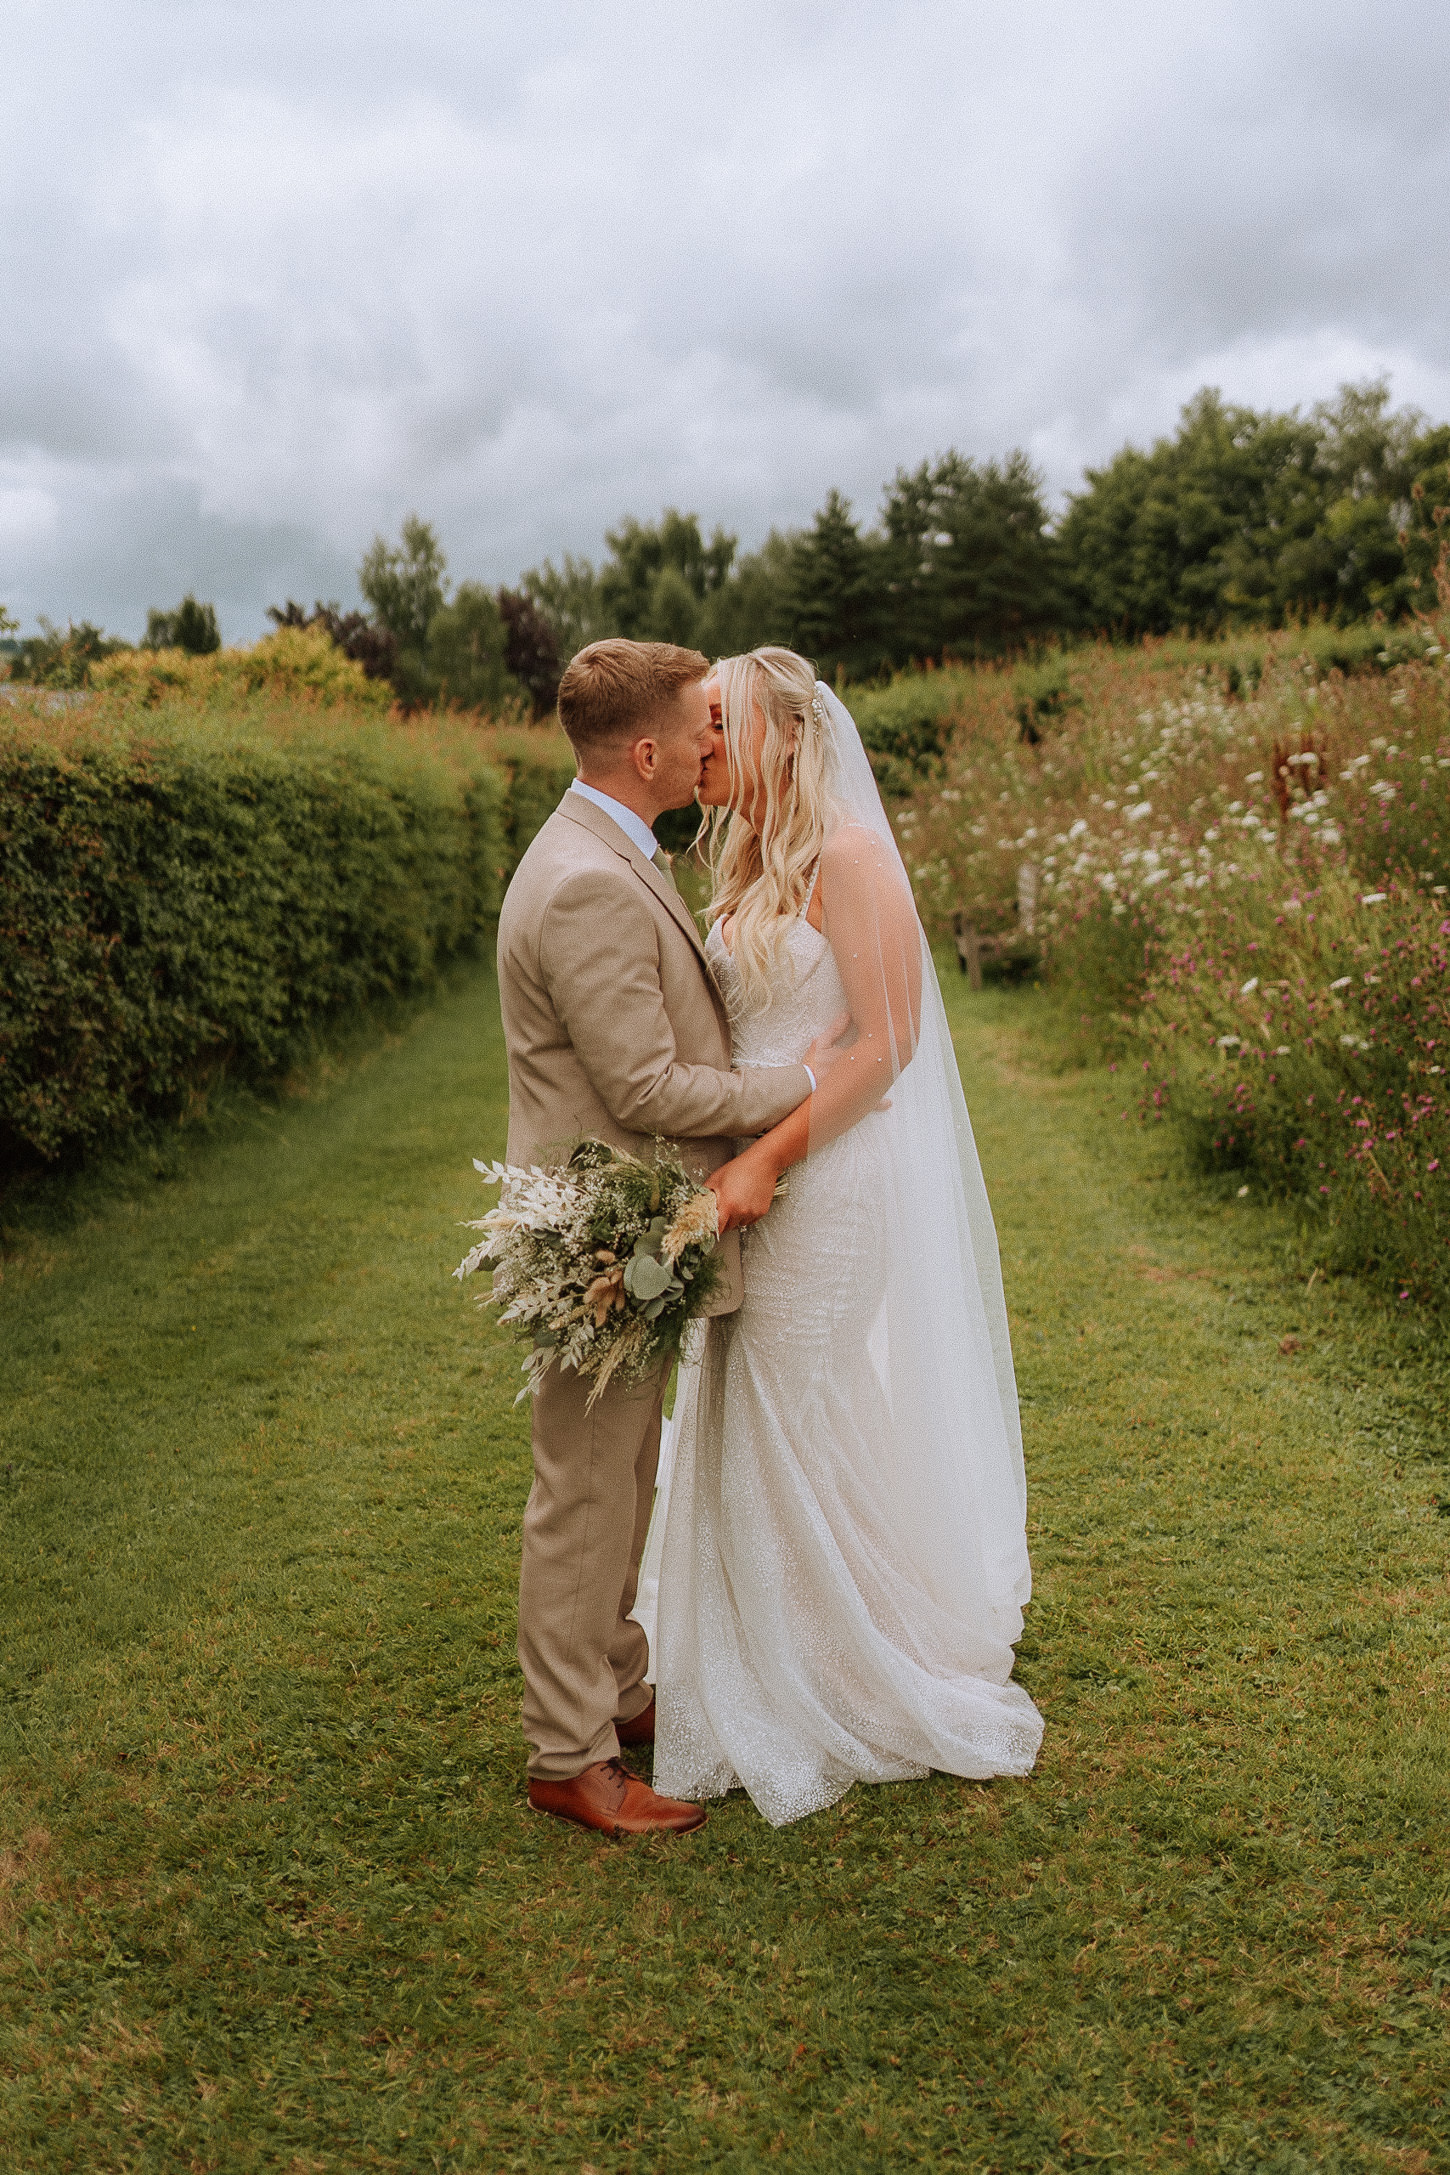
(634,827)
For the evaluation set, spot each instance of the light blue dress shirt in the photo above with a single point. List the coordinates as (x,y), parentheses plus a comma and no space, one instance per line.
(634,827)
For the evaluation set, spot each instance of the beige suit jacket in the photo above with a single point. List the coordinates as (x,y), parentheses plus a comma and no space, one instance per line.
(614,1024)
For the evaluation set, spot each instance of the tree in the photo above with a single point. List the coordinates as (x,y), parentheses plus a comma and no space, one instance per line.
(405,584)
(1203,531)
(751,606)
(443,651)
(834,597)
(532,650)
(659,574)
(1372,460)
(62,656)
(191,627)
(568,599)
(1425,536)
(464,654)
(970,564)
(1245,517)
(657,585)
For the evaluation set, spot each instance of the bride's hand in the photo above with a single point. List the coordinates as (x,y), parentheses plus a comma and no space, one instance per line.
(744,1189)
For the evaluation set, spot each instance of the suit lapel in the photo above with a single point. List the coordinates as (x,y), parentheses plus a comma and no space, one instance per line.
(578,810)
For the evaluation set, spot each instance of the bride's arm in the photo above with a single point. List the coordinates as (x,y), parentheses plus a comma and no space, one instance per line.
(869,920)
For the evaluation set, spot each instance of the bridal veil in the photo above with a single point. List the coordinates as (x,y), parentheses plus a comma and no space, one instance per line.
(940,1344)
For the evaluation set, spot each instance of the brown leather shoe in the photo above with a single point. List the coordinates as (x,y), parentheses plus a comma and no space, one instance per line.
(640,1728)
(609,1798)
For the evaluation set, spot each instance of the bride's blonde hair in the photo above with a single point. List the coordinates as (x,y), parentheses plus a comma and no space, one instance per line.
(763,876)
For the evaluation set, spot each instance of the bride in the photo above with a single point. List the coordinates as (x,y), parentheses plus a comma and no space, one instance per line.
(842,1563)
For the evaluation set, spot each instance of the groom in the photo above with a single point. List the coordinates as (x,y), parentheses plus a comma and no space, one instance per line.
(615,1028)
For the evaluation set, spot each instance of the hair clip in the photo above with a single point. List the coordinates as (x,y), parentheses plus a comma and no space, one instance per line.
(818,704)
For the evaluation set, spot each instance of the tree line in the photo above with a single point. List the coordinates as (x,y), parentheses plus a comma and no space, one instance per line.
(1242,517)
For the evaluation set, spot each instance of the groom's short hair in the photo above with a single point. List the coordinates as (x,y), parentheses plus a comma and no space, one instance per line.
(612,690)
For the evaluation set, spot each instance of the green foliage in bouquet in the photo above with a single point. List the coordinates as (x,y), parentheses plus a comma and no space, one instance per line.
(601,1264)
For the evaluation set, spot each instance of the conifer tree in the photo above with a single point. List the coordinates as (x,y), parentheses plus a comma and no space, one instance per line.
(835,597)
(191,627)
(971,566)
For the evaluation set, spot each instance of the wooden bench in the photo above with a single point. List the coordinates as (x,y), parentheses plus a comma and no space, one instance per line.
(1017,943)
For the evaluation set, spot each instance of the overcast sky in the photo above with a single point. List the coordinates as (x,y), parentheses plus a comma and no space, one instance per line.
(277,274)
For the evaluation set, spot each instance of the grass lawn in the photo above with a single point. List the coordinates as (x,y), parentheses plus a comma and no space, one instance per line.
(269,1897)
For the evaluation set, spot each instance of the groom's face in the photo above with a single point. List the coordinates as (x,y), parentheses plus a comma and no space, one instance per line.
(682,740)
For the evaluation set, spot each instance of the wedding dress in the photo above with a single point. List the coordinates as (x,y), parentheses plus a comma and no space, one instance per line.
(840,1550)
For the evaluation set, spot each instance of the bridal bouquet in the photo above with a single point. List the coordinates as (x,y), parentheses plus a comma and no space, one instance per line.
(602,1264)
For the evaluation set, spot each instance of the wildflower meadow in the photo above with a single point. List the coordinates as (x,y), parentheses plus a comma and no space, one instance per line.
(1244,887)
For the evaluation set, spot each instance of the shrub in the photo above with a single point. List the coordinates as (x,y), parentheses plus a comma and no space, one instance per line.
(296,663)
(1043,693)
(357,636)
(906,727)
(187,892)
(538,765)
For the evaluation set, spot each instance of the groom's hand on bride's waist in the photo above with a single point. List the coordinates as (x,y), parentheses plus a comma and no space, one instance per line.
(827,1051)
(745,1187)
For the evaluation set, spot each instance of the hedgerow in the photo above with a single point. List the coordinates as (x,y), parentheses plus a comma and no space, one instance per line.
(187,889)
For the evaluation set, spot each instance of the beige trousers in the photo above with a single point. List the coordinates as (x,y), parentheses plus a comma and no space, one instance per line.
(584,1532)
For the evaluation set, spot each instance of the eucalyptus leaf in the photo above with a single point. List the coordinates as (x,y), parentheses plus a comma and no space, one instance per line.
(645,1278)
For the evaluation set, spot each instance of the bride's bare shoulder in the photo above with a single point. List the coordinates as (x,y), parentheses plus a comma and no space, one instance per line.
(863,887)
(854,858)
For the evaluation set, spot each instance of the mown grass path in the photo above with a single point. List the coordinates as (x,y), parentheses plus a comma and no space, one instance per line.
(268,1895)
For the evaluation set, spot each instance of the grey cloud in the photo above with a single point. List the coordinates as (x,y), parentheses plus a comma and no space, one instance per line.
(282,274)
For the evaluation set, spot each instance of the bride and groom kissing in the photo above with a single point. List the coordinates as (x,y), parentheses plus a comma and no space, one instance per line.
(841,1555)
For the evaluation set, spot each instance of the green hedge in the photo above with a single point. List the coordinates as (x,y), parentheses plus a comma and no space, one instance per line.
(199,896)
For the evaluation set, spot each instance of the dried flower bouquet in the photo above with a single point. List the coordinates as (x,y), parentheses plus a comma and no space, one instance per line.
(601,1263)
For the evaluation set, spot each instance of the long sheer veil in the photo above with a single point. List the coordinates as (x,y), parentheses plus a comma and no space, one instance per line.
(941,1345)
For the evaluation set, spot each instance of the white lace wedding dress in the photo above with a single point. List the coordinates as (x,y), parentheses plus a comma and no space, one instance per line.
(841,1562)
